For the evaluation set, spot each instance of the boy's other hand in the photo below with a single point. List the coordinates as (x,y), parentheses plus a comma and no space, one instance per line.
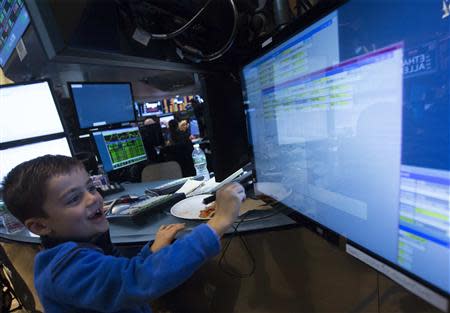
(228,203)
(165,236)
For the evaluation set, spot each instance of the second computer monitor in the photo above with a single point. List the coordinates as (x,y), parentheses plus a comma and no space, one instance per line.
(101,104)
(119,148)
(11,157)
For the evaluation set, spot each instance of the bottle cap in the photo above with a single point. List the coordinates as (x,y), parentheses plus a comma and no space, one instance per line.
(196,146)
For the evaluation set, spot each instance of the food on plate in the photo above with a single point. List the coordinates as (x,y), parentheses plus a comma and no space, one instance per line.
(208,211)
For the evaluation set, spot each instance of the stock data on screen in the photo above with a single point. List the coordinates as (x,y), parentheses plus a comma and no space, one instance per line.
(350,116)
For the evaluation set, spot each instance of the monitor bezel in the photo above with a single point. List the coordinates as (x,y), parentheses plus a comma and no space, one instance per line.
(106,126)
(332,236)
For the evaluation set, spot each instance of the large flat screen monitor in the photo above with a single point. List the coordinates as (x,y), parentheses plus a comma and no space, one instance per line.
(11,157)
(349,123)
(27,110)
(101,104)
(14,20)
(119,148)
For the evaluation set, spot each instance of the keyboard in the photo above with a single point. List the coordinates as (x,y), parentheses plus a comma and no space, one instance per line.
(147,206)
(171,187)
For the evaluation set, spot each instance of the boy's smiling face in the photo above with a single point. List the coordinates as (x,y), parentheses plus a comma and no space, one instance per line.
(74,207)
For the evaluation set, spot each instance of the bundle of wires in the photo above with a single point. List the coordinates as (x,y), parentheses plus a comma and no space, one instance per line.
(141,17)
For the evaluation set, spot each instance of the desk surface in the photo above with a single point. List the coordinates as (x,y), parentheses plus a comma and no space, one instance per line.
(127,232)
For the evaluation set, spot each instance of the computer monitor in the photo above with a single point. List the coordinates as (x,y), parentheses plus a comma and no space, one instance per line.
(151,108)
(28,110)
(193,127)
(10,158)
(349,119)
(14,20)
(119,148)
(165,119)
(102,104)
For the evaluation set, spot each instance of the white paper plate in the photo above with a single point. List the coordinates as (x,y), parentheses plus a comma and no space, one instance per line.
(190,208)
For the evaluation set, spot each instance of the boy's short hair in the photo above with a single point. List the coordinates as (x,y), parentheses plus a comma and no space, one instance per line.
(25,186)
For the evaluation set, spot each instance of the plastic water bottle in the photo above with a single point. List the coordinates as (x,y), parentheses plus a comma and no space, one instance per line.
(199,158)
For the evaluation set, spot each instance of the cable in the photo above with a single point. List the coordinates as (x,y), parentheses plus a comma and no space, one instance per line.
(195,55)
(222,258)
(182,28)
(378,291)
(235,233)
(188,52)
(277,211)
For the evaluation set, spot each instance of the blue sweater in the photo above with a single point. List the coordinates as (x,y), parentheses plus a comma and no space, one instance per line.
(73,278)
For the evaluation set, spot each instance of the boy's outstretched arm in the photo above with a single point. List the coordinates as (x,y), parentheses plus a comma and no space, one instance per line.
(228,203)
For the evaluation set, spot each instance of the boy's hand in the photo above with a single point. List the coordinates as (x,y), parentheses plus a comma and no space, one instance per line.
(228,203)
(165,236)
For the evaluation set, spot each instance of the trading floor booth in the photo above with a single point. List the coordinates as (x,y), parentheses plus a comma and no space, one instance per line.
(338,117)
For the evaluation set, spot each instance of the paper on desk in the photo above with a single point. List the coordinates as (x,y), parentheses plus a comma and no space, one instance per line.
(207,187)
(189,186)
(194,187)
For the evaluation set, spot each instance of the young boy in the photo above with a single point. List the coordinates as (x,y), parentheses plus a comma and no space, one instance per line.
(80,270)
